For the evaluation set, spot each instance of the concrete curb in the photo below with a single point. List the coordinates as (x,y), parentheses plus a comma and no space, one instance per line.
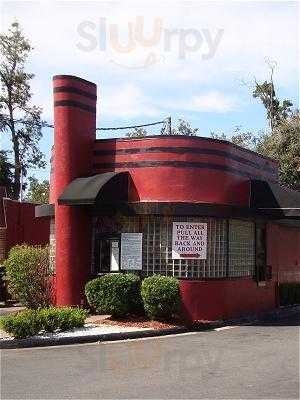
(55,341)
(286,311)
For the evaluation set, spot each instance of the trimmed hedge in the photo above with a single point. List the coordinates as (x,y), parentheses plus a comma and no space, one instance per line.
(115,294)
(22,324)
(62,319)
(28,275)
(289,293)
(31,322)
(161,296)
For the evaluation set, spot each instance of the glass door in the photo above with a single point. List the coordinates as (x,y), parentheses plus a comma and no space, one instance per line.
(107,255)
(114,255)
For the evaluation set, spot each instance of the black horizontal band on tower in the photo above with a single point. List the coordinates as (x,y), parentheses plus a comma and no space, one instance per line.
(175,164)
(77,104)
(70,89)
(184,150)
(75,78)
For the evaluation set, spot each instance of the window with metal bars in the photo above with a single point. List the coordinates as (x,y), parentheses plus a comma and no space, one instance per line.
(230,246)
(241,252)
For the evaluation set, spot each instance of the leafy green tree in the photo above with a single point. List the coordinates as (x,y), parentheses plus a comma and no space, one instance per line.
(277,111)
(137,133)
(6,175)
(38,192)
(184,128)
(283,141)
(239,137)
(283,144)
(18,118)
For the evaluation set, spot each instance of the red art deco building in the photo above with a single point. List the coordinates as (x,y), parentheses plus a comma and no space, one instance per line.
(115,204)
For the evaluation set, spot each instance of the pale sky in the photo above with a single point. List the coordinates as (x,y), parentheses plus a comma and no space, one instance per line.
(150,59)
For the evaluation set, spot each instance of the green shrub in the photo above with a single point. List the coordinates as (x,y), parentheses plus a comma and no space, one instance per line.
(115,294)
(62,319)
(22,324)
(161,296)
(289,293)
(31,322)
(28,275)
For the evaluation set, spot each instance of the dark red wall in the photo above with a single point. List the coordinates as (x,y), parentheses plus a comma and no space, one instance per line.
(225,298)
(186,169)
(22,226)
(284,252)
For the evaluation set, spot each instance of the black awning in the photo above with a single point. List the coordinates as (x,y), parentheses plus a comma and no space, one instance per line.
(110,186)
(44,210)
(273,199)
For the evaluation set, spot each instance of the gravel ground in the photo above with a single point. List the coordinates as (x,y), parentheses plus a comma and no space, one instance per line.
(87,330)
(97,325)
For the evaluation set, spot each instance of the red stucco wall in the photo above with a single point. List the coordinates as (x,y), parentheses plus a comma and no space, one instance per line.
(225,298)
(184,169)
(74,136)
(284,252)
(22,226)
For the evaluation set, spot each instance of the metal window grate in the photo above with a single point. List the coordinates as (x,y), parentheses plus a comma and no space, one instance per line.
(241,248)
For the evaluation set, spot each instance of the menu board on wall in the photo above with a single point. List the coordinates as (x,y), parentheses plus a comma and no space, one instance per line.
(189,240)
(131,251)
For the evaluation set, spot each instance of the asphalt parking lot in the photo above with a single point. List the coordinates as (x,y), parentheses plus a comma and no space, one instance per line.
(241,362)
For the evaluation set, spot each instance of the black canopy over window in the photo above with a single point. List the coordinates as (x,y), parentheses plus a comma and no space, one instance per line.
(273,199)
(108,193)
(106,187)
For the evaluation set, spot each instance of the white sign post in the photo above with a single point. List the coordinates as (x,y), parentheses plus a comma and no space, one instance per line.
(131,251)
(189,240)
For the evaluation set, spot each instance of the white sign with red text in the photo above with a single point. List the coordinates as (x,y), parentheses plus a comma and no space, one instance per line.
(189,240)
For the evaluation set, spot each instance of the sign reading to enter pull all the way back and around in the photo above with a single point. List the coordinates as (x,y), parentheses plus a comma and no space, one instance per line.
(189,240)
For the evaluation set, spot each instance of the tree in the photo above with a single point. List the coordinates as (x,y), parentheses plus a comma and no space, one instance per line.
(244,139)
(137,133)
(18,118)
(283,144)
(283,141)
(38,192)
(6,175)
(184,128)
(277,111)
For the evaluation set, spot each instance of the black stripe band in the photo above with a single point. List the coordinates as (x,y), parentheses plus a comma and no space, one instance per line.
(77,104)
(70,89)
(175,164)
(190,138)
(182,150)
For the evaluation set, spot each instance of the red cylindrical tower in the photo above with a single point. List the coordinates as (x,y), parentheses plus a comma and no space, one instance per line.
(52,196)
(74,135)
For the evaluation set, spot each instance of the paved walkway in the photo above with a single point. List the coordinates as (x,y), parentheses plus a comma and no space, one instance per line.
(10,310)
